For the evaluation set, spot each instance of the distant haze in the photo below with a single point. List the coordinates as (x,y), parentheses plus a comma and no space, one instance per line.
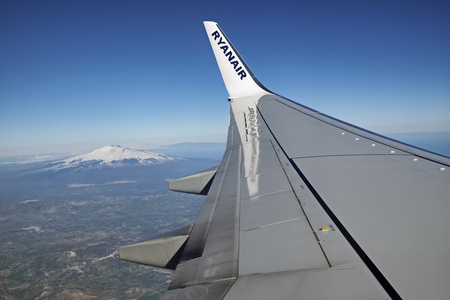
(79,75)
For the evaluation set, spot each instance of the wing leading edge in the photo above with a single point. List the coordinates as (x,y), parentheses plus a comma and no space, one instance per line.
(304,206)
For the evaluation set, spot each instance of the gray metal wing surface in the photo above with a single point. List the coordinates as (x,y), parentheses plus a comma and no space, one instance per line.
(304,206)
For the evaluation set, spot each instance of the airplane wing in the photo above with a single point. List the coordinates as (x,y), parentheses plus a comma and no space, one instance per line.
(305,206)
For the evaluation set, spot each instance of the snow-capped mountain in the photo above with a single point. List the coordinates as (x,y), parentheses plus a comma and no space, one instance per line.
(114,156)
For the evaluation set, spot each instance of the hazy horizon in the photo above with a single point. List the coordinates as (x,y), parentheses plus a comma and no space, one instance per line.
(437,142)
(82,74)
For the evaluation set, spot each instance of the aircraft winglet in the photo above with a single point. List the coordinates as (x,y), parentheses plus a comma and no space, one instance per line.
(239,79)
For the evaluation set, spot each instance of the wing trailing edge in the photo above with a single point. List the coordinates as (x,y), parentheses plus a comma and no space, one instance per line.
(198,183)
(163,251)
(155,253)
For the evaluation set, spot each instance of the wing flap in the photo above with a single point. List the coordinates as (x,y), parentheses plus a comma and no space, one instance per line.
(198,183)
(214,238)
(213,290)
(336,284)
(160,252)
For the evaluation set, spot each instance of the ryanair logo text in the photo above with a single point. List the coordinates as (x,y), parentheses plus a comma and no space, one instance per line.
(229,54)
(251,124)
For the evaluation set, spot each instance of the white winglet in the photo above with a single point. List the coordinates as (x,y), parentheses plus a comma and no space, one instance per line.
(239,79)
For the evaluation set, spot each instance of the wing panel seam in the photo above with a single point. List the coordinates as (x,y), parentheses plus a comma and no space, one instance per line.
(298,199)
(366,131)
(364,257)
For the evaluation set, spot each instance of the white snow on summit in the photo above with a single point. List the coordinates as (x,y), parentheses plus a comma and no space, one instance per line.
(116,156)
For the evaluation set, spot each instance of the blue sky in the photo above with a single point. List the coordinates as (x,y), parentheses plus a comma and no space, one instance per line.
(76,75)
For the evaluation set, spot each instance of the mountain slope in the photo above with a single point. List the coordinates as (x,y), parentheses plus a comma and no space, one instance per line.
(115,156)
